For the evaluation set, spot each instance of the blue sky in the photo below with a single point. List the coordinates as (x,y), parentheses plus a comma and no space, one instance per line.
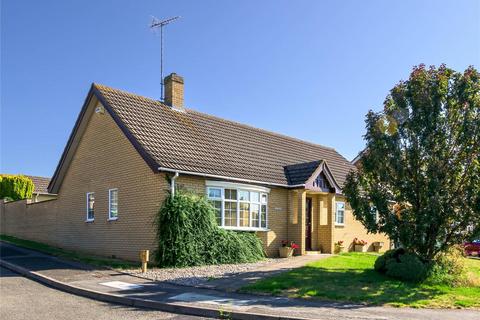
(308,69)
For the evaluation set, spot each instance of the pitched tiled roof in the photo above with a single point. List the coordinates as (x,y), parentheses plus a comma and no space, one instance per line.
(197,142)
(40,183)
(299,173)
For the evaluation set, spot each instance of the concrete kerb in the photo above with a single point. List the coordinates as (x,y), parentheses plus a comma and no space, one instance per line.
(141,303)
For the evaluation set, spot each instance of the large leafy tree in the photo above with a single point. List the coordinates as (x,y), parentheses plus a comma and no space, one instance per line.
(420,171)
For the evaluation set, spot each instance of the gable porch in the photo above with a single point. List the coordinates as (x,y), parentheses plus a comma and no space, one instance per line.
(311,220)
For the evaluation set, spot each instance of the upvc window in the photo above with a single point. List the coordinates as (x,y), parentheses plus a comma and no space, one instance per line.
(113,204)
(340,213)
(238,207)
(90,206)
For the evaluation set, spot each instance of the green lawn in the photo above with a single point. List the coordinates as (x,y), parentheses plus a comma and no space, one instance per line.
(350,277)
(68,254)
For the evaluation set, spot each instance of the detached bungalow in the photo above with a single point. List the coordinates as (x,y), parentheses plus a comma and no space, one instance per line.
(112,179)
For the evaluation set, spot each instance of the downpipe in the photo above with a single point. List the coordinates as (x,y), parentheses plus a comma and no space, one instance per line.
(172,183)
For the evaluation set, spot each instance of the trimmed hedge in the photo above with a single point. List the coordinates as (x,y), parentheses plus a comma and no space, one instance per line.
(15,187)
(188,235)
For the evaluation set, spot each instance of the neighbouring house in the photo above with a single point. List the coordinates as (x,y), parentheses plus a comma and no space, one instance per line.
(356,160)
(112,179)
(40,189)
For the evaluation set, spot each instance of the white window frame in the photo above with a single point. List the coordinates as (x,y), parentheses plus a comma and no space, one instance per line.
(110,218)
(221,199)
(241,187)
(336,213)
(266,210)
(88,218)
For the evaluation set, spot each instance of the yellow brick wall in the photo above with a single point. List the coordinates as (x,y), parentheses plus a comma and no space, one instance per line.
(34,221)
(354,229)
(105,159)
(277,221)
(324,231)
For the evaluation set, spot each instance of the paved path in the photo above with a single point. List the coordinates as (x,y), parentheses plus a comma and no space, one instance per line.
(22,298)
(107,281)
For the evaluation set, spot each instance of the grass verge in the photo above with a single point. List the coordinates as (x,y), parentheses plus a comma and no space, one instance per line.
(350,277)
(70,255)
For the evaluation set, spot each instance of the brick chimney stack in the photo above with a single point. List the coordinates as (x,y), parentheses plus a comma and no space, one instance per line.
(174,91)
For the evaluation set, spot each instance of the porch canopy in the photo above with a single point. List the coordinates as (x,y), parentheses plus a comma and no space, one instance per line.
(314,175)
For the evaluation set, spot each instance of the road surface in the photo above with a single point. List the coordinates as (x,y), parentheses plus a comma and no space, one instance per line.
(21,298)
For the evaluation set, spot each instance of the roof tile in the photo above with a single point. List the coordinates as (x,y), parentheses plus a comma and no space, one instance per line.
(201,143)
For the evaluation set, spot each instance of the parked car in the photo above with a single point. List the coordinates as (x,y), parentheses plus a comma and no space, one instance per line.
(472,247)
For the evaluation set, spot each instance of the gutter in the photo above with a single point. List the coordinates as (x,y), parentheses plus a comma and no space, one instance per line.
(228,178)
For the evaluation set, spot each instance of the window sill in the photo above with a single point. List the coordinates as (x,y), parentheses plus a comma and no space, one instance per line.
(339,225)
(89,220)
(246,229)
(112,219)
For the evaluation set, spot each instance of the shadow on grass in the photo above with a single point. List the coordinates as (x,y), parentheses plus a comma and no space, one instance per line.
(349,284)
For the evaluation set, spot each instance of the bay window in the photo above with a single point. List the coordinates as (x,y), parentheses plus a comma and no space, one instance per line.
(239,206)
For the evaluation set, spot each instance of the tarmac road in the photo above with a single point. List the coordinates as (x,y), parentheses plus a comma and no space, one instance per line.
(21,298)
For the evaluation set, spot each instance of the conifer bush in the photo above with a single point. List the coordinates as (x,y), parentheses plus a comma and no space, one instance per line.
(15,187)
(188,235)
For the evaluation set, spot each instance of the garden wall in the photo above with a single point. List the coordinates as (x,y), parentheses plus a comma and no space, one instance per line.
(32,221)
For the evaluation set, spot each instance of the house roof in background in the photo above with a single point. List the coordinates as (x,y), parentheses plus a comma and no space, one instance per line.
(40,183)
(196,142)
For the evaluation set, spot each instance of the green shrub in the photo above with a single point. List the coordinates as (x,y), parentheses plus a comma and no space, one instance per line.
(15,187)
(402,265)
(381,262)
(449,268)
(407,267)
(188,235)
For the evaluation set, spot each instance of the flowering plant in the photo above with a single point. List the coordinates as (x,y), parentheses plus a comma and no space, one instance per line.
(359,242)
(290,244)
(293,245)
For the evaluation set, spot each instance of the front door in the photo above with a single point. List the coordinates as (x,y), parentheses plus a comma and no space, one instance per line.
(308,224)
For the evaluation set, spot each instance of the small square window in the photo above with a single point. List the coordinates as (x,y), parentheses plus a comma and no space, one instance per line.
(230,194)
(264,198)
(214,193)
(244,195)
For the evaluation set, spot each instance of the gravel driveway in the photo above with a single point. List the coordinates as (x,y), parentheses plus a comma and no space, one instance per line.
(197,276)
(226,276)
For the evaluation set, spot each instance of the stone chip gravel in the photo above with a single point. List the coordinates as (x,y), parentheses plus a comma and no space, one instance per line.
(198,276)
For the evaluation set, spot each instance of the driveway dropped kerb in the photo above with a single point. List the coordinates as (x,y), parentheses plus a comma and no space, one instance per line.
(131,290)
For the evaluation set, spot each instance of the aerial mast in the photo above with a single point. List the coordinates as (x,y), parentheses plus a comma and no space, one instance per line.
(156,23)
